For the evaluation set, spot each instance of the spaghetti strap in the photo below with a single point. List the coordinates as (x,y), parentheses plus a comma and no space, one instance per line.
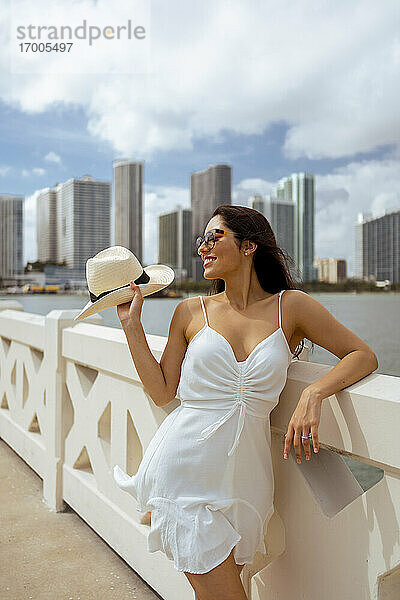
(280,310)
(204,310)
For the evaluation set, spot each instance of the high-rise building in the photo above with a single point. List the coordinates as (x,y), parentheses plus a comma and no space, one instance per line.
(174,241)
(258,202)
(358,244)
(282,221)
(46,225)
(299,188)
(11,235)
(73,221)
(290,212)
(128,205)
(83,219)
(281,216)
(208,189)
(377,247)
(331,270)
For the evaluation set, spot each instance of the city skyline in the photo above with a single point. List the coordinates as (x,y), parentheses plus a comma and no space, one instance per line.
(299,97)
(183,201)
(64,211)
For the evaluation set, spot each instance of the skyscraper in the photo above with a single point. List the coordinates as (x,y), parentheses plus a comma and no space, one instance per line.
(11,236)
(299,188)
(83,219)
(378,246)
(128,205)
(73,221)
(258,202)
(358,245)
(290,212)
(174,241)
(280,214)
(208,189)
(46,225)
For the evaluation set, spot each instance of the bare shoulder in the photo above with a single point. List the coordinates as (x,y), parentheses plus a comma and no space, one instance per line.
(303,305)
(301,308)
(188,305)
(295,295)
(192,314)
(182,312)
(319,325)
(291,302)
(183,316)
(298,300)
(193,303)
(289,308)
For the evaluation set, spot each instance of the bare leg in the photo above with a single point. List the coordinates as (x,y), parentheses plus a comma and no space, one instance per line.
(222,582)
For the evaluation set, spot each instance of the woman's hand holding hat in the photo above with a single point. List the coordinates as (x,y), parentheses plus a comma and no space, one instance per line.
(131,311)
(107,274)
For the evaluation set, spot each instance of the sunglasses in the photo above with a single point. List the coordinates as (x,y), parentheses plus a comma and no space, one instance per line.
(210,238)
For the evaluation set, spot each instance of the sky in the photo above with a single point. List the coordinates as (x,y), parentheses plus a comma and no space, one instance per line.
(268,88)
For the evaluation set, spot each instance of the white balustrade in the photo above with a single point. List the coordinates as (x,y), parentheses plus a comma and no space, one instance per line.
(72,406)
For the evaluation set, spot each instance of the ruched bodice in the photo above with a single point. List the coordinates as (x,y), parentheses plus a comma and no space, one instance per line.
(211,377)
(194,476)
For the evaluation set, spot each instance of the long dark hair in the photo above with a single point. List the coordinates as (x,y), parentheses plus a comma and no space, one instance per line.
(272,264)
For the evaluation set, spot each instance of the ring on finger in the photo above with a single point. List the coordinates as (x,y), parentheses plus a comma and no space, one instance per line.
(306,436)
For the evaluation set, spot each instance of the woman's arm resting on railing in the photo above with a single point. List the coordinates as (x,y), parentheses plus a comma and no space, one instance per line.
(357,360)
(320,326)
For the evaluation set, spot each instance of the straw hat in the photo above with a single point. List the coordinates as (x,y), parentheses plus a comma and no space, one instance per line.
(108,275)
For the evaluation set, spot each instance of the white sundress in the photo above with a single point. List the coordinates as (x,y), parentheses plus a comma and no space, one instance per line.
(207,475)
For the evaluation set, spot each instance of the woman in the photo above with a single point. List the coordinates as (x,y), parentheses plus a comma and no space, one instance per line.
(209,510)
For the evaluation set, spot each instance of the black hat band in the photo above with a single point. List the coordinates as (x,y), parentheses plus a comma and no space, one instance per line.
(144,278)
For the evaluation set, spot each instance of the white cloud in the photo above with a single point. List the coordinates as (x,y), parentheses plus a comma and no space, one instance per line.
(158,200)
(329,72)
(52,157)
(4,170)
(37,172)
(370,186)
(248,187)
